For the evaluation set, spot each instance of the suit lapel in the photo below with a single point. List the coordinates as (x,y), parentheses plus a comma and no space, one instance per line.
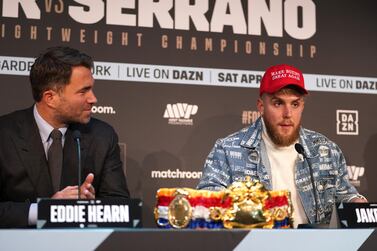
(32,154)
(85,143)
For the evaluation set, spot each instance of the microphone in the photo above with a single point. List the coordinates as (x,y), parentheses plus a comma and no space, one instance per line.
(300,149)
(77,138)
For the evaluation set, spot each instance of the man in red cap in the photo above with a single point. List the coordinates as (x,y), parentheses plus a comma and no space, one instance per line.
(281,154)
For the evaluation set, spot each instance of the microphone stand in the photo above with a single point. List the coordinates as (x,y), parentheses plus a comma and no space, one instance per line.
(77,136)
(300,149)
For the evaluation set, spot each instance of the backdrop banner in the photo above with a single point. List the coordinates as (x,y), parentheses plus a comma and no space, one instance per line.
(173,76)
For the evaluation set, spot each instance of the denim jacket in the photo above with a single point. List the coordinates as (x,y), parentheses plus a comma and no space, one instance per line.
(244,154)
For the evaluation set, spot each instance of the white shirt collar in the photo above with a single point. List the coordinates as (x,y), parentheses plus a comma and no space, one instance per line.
(44,127)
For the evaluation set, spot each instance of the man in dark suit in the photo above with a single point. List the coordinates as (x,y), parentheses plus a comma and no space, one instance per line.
(33,166)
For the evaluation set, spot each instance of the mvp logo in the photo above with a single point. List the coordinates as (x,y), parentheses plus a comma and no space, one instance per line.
(180,113)
(355,173)
(180,110)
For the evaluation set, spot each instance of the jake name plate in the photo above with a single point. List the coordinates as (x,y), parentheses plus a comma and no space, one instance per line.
(357,215)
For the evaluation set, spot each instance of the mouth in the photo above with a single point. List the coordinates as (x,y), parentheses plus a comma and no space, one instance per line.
(88,111)
(286,126)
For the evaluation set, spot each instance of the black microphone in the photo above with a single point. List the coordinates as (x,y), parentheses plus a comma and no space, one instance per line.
(77,138)
(300,149)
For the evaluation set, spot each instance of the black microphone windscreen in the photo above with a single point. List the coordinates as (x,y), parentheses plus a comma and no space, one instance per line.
(300,149)
(76,134)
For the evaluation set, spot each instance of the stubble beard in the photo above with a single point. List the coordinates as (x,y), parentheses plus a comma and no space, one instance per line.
(66,117)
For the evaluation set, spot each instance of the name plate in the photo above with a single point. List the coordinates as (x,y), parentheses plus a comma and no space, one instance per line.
(357,215)
(106,212)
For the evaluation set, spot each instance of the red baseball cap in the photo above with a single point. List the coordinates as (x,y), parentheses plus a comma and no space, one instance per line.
(279,76)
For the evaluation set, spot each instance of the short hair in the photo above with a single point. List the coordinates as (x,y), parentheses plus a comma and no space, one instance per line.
(289,89)
(52,69)
(292,89)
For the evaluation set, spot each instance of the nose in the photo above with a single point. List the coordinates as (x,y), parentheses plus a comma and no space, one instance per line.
(92,98)
(287,112)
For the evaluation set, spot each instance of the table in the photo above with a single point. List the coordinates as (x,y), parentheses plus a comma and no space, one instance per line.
(161,239)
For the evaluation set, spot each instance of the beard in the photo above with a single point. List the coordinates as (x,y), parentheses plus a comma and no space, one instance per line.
(279,139)
(67,114)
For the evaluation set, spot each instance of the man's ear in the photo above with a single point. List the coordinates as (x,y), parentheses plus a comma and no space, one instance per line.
(260,105)
(49,97)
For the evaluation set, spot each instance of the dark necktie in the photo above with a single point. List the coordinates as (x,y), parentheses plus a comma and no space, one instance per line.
(55,158)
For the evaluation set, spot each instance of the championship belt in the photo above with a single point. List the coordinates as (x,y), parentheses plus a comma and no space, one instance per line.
(244,204)
(189,208)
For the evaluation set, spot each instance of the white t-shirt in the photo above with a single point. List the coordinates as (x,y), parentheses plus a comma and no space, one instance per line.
(283,164)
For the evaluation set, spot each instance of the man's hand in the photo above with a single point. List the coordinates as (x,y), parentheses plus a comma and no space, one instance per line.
(72,192)
(86,189)
(359,200)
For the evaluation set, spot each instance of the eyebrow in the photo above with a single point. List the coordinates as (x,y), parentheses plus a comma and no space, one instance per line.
(274,98)
(85,88)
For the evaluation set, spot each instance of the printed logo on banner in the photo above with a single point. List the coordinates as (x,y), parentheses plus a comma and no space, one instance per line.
(103,109)
(175,174)
(180,113)
(355,173)
(347,122)
(248,18)
(249,117)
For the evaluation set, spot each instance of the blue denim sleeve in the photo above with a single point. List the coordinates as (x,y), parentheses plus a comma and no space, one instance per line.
(345,191)
(216,173)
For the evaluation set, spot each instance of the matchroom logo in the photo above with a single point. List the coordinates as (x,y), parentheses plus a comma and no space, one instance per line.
(175,174)
(103,109)
(180,113)
(347,122)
